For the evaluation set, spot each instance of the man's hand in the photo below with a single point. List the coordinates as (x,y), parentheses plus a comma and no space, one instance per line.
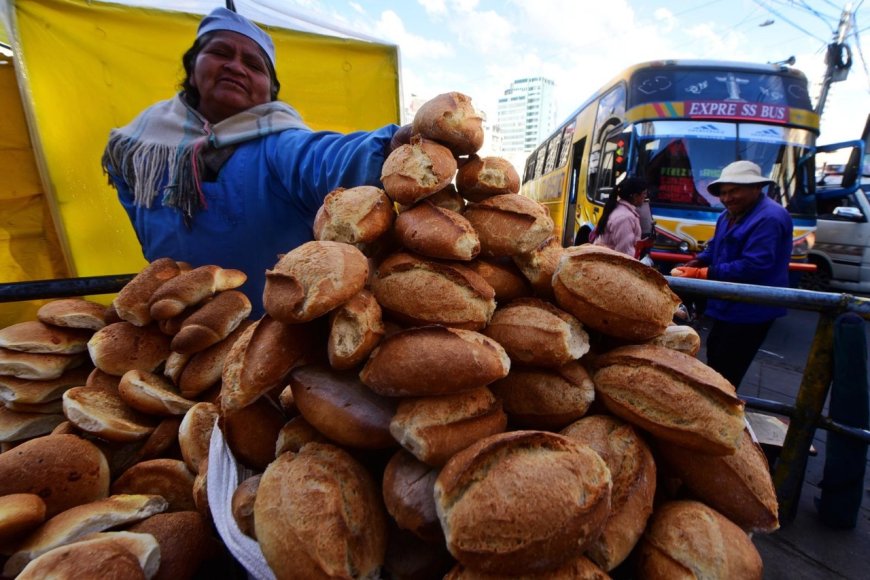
(689,272)
(401,137)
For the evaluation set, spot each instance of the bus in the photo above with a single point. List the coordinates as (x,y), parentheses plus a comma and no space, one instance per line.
(677,123)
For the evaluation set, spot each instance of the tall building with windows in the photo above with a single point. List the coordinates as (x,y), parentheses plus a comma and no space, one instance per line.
(526,115)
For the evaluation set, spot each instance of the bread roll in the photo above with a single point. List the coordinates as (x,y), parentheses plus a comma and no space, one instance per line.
(408,489)
(313,279)
(633,472)
(37,366)
(243,505)
(20,513)
(357,215)
(168,478)
(738,486)
(97,558)
(539,265)
(509,224)
(203,369)
(417,170)
(149,393)
(194,433)
(679,337)
(252,432)
(31,392)
(73,313)
(37,337)
(436,232)
(480,178)
(613,293)
(434,360)
(355,329)
(162,441)
(687,539)
(319,514)
(673,396)
(534,332)
(522,502)
(296,433)
(192,287)
(103,380)
(64,470)
(549,399)
(417,291)
(104,413)
(133,301)
(450,119)
(185,540)
(121,347)
(580,568)
(434,429)
(16,425)
(212,323)
(447,198)
(505,278)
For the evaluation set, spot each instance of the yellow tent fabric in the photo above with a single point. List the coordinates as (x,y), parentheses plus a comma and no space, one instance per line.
(86,67)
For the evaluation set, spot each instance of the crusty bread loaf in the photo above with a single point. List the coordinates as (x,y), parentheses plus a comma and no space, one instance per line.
(312,279)
(192,287)
(434,360)
(417,170)
(535,332)
(679,337)
(447,198)
(149,393)
(687,539)
(46,408)
(16,425)
(672,395)
(194,433)
(251,433)
(337,404)
(212,323)
(318,513)
(242,505)
(73,313)
(357,215)
(522,502)
(80,521)
(505,278)
(434,429)
(122,346)
(480,178)
(37,366)
(20,513)
(98,378)
(25,391)
(417,291)
(168,478)
(37,337)
(185,539)
(104,413)
(133,301)
(296,433)
(509,224)
(613,293)
(450,119)
(408,489)
(355,329)
(174,366)
(580,568)
(539,265)
(436,232)
(97,558)
(203,369)
(541,398)
(633,472)
(738,486)
(64,470)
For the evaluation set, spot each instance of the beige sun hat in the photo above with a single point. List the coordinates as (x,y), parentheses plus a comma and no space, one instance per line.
(741,173)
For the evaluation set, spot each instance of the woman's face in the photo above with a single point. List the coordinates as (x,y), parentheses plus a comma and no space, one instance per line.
(231,74)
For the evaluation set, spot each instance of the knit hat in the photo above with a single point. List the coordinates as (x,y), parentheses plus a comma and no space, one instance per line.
(740,173)
(224,19)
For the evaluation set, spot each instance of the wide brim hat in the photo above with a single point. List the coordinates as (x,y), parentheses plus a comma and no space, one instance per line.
(224,19)
(740,173)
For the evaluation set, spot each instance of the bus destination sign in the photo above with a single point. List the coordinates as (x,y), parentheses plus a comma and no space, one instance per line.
(736,110)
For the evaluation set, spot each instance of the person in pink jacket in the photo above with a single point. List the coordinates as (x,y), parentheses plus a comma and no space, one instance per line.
(619,225)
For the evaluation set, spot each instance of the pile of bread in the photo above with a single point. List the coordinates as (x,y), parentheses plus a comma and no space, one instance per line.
(437,389)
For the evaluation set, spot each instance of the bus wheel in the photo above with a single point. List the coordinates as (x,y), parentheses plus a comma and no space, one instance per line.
(820,280)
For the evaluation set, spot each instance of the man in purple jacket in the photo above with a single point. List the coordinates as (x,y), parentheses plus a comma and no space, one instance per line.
(752,245)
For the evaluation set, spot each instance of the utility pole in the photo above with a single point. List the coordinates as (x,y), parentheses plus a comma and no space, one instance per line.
(838,58)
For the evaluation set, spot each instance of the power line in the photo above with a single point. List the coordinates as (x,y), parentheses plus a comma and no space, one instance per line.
(780,16)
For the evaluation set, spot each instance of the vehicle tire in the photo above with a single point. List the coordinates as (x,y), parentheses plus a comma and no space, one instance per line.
(820,280)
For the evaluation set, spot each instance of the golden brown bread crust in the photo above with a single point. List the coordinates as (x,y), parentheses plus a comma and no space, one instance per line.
(679,337)
(522,501)
(122,346)
(738,486)
(418,291)
(318,513)
(295,433)
(73,313)
(104,413)
(25,391)
(509,224)
(149,393)
(337,404)
(101,559)
(539,398)
(687,539)
(133,301)
(312,279)
(450,118)
(672,395)
(168,478)
(64,470)
(434,360)
(408,489)
(448,198)
(580,568)
(252,433)
(633,472)
(37,337)
(37,366)
(434,429)
(242,505)
(358,215)
(613,293)
(535,332)
(539,265)
(417,170)
(480,178)
(185,540)
(505,278)
(436,232)
(20,513)
(194,433)
(204,368)
(355,329)
(192,287)
(212,323)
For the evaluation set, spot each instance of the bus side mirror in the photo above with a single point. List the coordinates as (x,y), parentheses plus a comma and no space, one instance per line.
(849,213)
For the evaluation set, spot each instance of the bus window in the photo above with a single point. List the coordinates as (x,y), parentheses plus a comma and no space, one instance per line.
(539,161)
(567,135)
(610,167)
(611,105)
(529,173)
(552,153)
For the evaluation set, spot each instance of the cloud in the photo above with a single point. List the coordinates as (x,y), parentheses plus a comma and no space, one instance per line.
(390,27)
(433,7)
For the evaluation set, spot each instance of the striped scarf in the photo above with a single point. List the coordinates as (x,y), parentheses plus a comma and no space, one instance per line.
(167,148)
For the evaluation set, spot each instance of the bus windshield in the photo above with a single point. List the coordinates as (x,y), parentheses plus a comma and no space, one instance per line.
(680,158)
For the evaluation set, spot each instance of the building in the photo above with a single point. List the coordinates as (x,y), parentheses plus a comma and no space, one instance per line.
(526,116)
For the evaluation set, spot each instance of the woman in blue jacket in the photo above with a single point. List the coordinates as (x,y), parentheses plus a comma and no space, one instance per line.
(752,245)
(224,173)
